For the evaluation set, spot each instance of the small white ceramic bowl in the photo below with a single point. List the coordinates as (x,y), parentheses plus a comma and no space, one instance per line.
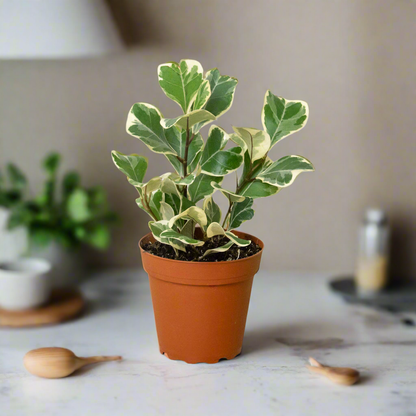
(24,283)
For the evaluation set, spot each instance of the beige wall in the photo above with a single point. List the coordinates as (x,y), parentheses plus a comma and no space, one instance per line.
(353,61)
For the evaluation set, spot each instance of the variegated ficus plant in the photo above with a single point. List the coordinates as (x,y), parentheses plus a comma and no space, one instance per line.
(181,202)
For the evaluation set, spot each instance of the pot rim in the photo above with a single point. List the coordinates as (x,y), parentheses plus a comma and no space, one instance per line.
(259,253)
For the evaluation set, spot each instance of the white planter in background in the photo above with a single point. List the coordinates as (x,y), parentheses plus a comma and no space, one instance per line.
(13,243)
(24,283)
(68,267)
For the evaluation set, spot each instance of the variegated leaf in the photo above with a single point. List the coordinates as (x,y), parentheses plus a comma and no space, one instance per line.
(233,197)
(212,210)
(236,240)
(155,200)
(174,201)
(166,210)
(143,122)
(154,203)
(202,187)
(157,227)
(195,213)
(148,187)
(221,249)
(215,160)
(216,229)
(169,187)
(284,171)
(257,142)
(174,235)
(252,169)
(180,82)
(222,92)
(258,189)
(187,121)
(282,117)
(202,95)
(186,203)
(182,181)
(194,152)
(188,229)
(241,212)
(133,166)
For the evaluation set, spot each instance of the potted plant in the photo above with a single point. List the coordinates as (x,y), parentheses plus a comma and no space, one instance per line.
(200,269)
(62,219)
(13,242)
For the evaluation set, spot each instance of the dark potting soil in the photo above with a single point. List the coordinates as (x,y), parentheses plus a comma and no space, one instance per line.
(194,253)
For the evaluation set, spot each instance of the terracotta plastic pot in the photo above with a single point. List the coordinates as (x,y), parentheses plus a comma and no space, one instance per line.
(200,308)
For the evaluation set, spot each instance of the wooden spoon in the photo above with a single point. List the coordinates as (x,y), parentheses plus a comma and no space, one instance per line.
(339,375)
(58,362)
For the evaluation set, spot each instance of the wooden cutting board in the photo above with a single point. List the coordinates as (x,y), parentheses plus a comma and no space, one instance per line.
(65,304)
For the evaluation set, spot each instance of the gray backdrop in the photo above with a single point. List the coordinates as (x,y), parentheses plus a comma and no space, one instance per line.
(353,61)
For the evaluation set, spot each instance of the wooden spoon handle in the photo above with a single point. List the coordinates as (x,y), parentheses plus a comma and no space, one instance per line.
(319,370)
(99,359)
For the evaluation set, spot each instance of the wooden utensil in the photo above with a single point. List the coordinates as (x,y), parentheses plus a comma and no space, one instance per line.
(340,375)
(58,362)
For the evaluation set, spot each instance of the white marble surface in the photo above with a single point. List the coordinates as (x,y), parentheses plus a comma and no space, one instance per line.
(291,317)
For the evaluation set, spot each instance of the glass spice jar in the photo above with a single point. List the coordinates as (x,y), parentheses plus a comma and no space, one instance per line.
(373,258)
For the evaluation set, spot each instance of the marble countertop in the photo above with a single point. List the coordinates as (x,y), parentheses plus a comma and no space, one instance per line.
(292,316)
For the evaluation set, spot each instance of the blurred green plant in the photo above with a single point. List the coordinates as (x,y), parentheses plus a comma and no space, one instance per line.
(12,186)
(66,213)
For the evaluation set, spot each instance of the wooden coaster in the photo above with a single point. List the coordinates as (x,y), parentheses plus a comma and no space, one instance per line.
(64,304)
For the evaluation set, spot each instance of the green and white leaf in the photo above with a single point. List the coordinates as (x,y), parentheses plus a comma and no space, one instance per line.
(194,152)
(257,142)
(154,203)
(195,213)
(201,187)
(282,117)
(174,235)
(212,210)
(201,117)
(133,166)
(252,169)
(178,180)
(180,82)
(214,160)
(221,249)
(202,95)
(259,189)
(157,227)
(240,212)
(236,240)
(155,200)
(216,229)
(284,171)
(153,185)
(186,203)
(174,201)
(188,229)
(233,197)
(169,187)
(166,210)
(222,92)
(143,122)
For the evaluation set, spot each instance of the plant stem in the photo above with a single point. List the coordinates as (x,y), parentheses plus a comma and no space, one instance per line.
(185,159)
(228,212)
(146,205)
